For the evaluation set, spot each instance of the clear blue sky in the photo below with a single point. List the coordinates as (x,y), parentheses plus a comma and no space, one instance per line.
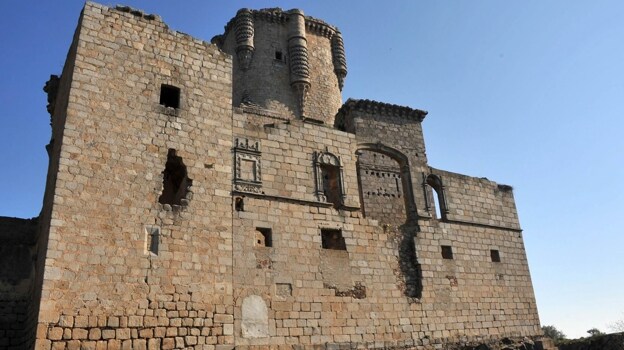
(527,93)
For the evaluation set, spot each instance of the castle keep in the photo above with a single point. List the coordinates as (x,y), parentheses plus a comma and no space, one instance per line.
(219,195)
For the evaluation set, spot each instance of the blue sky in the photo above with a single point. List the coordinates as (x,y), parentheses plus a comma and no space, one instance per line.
(527,93)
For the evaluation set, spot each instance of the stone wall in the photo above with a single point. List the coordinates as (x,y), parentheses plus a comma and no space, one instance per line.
(17,254)
(103,283)
(174,220)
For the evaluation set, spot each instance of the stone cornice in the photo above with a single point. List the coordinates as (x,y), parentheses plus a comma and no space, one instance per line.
(380,108)
(277,15)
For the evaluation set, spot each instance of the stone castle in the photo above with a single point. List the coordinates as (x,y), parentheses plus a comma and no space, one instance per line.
(221,195)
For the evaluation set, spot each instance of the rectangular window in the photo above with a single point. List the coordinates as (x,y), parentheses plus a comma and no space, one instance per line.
(263,237)
(152,239)
(447,252)
(332,239)
(494,254)
(169,96)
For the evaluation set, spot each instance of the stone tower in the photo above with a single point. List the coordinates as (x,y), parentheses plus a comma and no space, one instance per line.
(301,58)
(220,196)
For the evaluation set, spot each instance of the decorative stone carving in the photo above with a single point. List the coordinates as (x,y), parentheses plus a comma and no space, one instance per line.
(244,37)
(328,171)
(298,53)
(339,58)
(247,166)
(435,182)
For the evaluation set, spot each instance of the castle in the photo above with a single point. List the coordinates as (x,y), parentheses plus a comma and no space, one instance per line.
(221,195)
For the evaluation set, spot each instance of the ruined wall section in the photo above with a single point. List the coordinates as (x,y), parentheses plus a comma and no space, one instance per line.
(485,281)
(107,281)
(470,291)
(302,293)
(294,292)
(467,293)
(477,200)
(381,187)
(17,275)
(394,132)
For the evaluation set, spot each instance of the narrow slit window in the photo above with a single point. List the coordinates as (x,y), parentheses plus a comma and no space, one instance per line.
(436,203)
(263,237)
(495,255)
(152,239)
(332,239)
(447,252)
(169,96)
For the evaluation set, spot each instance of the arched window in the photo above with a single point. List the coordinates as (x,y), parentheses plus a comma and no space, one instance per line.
(328,172)
(438,197)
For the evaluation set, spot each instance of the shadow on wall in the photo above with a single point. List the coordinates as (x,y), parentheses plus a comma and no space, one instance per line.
(17,272)
(410,278)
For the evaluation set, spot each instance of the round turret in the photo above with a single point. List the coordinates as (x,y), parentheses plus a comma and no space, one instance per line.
(286,62)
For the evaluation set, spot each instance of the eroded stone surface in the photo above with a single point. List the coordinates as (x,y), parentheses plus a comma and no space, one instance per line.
(255,318)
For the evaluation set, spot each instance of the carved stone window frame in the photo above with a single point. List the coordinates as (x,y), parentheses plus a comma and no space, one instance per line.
(327,158)
(438,189)
(247,150)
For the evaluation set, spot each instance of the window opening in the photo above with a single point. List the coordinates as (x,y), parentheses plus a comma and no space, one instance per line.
(169,96)
(278,55)
(332,239)
(495,255)
(331,184)
(175,180)
(263,237)
(447,252)
(436,203)
(239,204)
(152,239)
(439,200)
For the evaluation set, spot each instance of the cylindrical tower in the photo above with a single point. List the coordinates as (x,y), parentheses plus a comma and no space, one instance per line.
(286,62)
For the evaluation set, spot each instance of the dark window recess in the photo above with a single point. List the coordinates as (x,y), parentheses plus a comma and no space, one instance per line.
(153,239)
(154,243)
(239,204)
(169,96)
(332,239)
(447,252)
(264,237)
(495,255)
(175,181)
(331,184)
(278,55)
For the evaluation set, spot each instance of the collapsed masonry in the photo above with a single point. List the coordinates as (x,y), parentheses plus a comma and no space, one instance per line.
(217,195)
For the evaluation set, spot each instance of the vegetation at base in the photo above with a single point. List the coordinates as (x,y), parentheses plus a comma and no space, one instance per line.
(553,333)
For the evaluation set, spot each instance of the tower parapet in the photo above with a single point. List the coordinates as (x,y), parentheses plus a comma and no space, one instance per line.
(286,62)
